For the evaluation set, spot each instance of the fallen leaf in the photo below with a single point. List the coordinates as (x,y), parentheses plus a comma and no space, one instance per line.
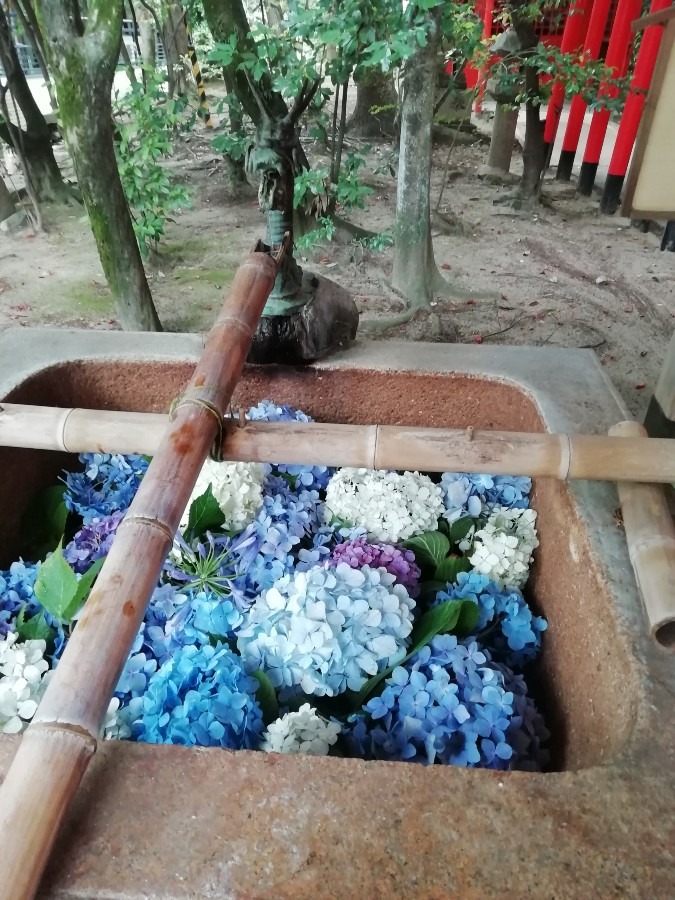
(477,338)
(640,385)
(534,303)
(470,302)
(445,266)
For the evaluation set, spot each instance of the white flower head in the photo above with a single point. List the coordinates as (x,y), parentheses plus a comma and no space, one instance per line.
(304,731)
(390,506)
(503,547)
(24,674)
(236,486)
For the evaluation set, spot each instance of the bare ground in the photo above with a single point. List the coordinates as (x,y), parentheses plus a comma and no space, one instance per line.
(527,279)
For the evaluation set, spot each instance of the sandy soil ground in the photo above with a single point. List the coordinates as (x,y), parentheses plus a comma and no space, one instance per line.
(563,276)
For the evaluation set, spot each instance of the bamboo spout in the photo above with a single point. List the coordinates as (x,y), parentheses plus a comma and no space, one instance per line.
(650,534)
(58,745)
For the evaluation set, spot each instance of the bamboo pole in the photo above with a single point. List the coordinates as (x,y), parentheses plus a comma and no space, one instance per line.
(61,740)
(592,457)
(650,535)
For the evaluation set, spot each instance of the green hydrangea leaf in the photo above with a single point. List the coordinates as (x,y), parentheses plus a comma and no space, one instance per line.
(205,515)
(266,697)
(450,567)
(44,522)
(35,628)
(429,549)
(56,584)
(461,529)
(84,586)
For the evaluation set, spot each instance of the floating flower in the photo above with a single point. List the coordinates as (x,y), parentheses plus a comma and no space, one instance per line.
(390,506)
(327,630)
(503,547)
(24,674)
(399,563)
(304,731)
(236,487)
(201,696)
(517,637)
(107,485)
(448,704)
(92,541)
(460,497)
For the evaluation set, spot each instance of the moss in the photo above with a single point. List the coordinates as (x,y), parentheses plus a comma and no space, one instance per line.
(89,296)
(198,275)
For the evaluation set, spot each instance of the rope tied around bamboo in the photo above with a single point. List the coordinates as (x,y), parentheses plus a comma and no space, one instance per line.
(58,745)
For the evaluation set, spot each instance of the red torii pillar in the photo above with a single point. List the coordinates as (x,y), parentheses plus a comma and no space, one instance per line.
(617,61)
(592,45)
(576,26)
(488,25)
(632,113)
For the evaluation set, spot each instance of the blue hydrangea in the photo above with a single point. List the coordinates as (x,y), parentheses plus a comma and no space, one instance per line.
(17,589)
(138,669)
(515,635)
(107,484)
(327,630)
(471,495)
(301,477)
(450,704)
(201,696)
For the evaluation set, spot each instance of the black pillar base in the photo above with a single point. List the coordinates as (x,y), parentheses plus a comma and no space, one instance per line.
(668,242)
(658,425)
(611,194)
(565,165)
(587,175)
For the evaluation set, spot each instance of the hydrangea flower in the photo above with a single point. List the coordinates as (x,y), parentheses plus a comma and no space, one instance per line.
(92,541)
(108,484)
(304,731)
(503,547)
(17,588)
(473,495)
(399,563)
(24,674)
(316,477)
(448,704)
(327,630)
(461,497)
(390,506)
(237,488)
(518,637)
(201,696)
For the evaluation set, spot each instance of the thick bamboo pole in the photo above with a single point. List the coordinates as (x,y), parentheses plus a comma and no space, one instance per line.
(592,457)
(58,745)
(650,535)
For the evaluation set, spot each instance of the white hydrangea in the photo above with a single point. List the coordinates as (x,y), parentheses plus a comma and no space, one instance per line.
(24,674)
(304,731)
(237,486)
(391,507)
(503,547)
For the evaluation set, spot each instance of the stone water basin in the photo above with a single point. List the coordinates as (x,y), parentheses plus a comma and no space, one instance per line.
(165,822)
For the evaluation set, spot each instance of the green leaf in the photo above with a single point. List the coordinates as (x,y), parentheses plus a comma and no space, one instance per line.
(468,618)
(450,567)
(35,628)
(266,697)
(44,522)
(204,515)
(429,548)
(84,586)
(461,529)
(56,584)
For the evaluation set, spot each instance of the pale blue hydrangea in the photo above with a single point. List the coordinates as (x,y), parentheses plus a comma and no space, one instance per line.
(515,637)
(473,495)
(327,631)
(460,497)
(201,696)
(107,484)
(450,704)
(17,592)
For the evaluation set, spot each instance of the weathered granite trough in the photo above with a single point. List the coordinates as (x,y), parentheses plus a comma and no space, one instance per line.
(169,822)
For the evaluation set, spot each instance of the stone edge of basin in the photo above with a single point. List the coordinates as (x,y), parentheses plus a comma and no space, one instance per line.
(574,854)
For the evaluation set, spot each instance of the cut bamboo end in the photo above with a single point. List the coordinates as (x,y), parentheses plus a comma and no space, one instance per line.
(650,535)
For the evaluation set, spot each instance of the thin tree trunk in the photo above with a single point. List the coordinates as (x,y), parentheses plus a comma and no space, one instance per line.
(534,149)
(174,37)
(29,27)
(148,41)
(36,140)
(503,137)
(415,273)
(7,206)
(374,90)
(84,68)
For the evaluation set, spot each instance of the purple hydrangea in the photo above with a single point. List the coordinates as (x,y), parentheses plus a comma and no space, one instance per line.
(92,541)
(399,563)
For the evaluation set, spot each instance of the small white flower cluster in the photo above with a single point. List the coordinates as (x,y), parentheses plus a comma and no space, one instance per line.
(304,731)
(391,507)
(503,547)
(24,674)
(236,486)
(117,723)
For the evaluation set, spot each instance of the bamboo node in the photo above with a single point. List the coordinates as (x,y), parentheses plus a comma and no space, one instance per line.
(217,449)
(150,522)
(565,457)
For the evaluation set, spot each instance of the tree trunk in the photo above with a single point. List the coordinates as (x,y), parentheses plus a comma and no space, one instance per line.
(7,207)
(415,272)
(148,41)
(534,150)
(30,27)
(174,37)
(374,89)
(503,137)
(36,140)
(84,68)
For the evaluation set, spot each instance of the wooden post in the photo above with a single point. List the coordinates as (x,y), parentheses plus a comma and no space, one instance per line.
(61,739)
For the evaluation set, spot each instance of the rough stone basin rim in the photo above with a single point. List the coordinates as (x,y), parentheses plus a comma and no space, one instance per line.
(169,822)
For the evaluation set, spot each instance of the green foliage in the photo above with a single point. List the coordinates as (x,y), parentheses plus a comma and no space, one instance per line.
(44,522)
(379,242)
(147,122)
(35,628)
(324,232)
(205,515)
(266,697)
(58,588)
